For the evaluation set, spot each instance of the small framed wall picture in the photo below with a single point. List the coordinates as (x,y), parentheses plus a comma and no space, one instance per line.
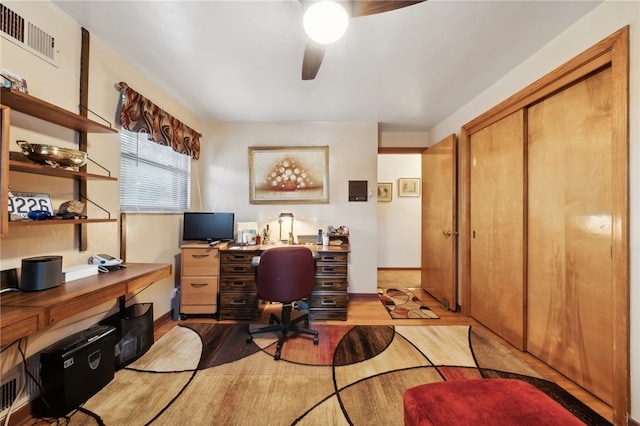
(409,187)
(385,191)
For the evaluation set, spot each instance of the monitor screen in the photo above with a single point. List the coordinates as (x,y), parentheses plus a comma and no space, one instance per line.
(207,226)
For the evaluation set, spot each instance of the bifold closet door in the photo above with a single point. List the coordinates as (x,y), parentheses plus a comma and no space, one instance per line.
(497,227)
(570,288)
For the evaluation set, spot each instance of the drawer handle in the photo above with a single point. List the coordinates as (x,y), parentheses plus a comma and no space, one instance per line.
(238,301)
(329,285)
(329,258)
(239,257)
(199,256)
(239,284)
(328,303)
(198,285)
(329,269)
(238,269)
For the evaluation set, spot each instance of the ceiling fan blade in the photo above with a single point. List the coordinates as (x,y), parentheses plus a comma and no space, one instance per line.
(313,54)
(371,7)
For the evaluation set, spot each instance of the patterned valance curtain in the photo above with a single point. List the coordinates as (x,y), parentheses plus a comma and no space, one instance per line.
(139,114)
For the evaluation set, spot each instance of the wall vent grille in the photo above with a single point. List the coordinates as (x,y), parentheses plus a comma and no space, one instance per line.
(11,23)
(33,388)
(9,391)
(27,35)
(12,382)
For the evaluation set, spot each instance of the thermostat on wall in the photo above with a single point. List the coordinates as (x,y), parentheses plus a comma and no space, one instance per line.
(357,190)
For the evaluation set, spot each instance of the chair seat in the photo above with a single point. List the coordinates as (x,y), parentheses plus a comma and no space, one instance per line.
(487,402)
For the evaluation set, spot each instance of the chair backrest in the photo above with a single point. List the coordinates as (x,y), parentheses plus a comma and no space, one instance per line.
(285,274)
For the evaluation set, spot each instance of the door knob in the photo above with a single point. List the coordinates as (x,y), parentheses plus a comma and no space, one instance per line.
(449,233)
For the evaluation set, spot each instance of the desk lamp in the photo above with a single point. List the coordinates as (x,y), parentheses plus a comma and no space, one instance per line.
(289,216)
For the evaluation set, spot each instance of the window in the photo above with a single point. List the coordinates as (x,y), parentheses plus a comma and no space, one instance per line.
(153,177)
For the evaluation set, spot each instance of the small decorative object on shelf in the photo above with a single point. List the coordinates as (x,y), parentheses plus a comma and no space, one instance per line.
(341,230)
(71,209)
(14,81)
(39,215)
(338,236)
(54,156)
(23,203)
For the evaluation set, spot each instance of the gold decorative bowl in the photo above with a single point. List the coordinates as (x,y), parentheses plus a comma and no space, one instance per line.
(53,155)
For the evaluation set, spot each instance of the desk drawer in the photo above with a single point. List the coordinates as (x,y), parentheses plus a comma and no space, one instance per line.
(325,268)
(20,328)
(328,300)
(332,257)
(328,314)
(239,314)
(77,305)
(198,290)
(329,283)
(238,257)
(236,301)
(237,283)
(200,261)
(236,268)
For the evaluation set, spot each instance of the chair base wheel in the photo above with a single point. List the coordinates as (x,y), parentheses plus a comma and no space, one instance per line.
(249,338)
(315,340)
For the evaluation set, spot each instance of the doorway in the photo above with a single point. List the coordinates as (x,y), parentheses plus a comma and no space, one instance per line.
(399,217)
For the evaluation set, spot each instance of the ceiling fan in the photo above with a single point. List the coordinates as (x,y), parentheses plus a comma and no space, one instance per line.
(314,52)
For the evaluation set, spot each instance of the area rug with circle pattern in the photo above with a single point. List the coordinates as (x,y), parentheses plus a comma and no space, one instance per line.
(402,303)
(206,374)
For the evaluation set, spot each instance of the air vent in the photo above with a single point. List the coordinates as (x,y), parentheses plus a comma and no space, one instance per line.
(12,383)
(8,392)
(25,34)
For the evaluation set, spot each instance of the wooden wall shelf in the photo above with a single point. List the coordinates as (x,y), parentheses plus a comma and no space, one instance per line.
(21,166)
(50,222)
(13,100)
(35,107)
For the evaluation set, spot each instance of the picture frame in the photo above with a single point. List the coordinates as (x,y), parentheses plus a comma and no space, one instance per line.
(385,191)
(408,187)
(289,174)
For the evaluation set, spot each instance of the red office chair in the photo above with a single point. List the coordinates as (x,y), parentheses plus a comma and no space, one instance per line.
(285,274)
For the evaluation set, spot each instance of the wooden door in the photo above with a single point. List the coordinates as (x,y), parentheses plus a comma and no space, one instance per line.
(570,285)
(497,227)
(439,262)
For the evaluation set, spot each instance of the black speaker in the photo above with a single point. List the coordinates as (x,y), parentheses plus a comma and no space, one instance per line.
(358,190)
(76,368)
(40,273)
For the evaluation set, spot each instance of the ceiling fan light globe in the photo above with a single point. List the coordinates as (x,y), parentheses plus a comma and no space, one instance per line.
(325,22)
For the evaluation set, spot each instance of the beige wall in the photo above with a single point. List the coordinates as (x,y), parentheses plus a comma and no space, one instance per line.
(224,183)
(404,140)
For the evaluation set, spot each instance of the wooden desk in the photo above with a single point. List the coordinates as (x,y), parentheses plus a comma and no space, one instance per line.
(25,313)
(238,295)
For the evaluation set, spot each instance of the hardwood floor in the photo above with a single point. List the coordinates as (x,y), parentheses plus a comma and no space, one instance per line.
(367,310)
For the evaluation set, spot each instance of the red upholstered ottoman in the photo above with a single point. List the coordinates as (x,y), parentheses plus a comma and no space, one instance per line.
(483,402)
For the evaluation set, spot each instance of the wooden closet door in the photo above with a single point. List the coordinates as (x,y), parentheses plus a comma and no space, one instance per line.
(439,222)
(570,288)
(497,227)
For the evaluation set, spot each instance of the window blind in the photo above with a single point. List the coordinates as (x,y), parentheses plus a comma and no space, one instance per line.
(153,177)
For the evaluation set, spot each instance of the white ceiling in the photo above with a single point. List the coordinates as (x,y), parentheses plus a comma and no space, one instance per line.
(407,69)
